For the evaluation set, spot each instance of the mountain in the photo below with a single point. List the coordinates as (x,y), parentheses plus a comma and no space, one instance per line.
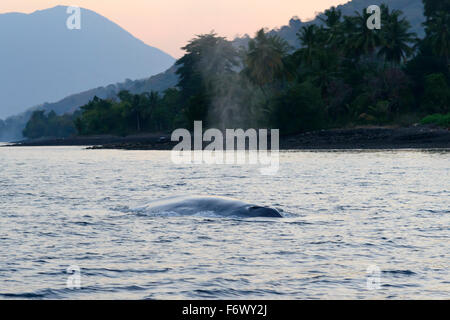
(11,128)
(159,83)
(412,10)
(42,60)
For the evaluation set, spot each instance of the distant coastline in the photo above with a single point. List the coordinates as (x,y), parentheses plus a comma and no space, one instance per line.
(413,137)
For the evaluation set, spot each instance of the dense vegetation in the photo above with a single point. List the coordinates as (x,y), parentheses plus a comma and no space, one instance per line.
(344,74)
(437,119)
(42,125)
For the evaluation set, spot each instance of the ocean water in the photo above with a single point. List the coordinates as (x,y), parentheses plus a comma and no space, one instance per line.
(357,225)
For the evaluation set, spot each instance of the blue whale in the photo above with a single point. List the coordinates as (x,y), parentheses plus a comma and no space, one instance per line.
(227,207)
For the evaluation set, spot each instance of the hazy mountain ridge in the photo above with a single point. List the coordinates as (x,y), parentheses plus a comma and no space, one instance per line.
(12,127)
(412,10)
(159,83)
(42,60)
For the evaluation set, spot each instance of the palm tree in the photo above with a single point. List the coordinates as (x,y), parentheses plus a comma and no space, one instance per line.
(361,41)
(332,17)
(148,104)
(265,59)
(310,37)
(332,20)
(396,38)
(135,106)
(432,7)
(438,33)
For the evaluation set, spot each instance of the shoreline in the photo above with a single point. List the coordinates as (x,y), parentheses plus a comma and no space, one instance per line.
(413,137)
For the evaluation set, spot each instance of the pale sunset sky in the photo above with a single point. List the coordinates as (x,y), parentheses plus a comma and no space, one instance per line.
(169,24)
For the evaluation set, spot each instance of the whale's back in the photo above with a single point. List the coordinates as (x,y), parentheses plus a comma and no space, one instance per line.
(221,206)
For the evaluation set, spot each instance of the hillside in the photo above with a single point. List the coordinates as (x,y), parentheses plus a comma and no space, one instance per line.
(11,128)
(42,60)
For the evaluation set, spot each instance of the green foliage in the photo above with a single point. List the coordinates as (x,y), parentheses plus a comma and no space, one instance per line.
(437,29)
(50,125)
(432,7)
(299,109)
(436,97)
(360,40)
(133,113)
(442,120)
(438,34)
(167,112)
(264,62)
(196,109)
(423,65)
(380,111)
(312,38)
(360,105)
(207,58)
(396,39)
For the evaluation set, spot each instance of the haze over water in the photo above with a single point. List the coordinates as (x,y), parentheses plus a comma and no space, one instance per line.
(344,211)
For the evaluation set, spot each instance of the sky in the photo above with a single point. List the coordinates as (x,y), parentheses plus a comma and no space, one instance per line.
(169,24)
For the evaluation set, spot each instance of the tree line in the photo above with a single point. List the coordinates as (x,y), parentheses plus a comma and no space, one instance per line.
(343,74)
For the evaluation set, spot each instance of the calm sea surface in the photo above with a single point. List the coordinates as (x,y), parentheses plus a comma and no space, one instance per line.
(346,213)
